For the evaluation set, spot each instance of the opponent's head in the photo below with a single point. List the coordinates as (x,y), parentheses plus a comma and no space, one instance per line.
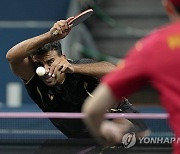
(176,3)
(44,57)
(172,8)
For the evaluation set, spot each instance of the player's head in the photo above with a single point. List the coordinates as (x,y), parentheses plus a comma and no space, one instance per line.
(45,57)
(56,46)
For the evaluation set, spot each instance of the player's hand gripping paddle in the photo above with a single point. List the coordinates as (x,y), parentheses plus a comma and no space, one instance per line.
(78,19)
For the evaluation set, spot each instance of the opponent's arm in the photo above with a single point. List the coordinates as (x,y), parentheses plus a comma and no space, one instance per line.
(95,108)
(18,56)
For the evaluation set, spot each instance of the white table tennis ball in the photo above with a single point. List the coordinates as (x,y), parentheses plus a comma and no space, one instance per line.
(40,71)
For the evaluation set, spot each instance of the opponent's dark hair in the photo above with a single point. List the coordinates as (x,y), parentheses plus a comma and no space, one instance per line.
(56,46)
(177,8)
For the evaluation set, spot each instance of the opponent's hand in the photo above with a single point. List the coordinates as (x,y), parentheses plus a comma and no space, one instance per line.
(61,28)
(60,65)
(112,133)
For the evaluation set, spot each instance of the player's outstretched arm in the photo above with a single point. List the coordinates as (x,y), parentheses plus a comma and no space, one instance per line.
(18,55)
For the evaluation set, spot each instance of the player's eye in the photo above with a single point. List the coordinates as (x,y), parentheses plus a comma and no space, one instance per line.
(49,62)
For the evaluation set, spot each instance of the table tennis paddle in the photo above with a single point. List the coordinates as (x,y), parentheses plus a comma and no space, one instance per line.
(78,19)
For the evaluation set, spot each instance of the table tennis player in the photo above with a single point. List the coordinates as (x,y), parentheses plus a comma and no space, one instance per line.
(66,83)
(154,59)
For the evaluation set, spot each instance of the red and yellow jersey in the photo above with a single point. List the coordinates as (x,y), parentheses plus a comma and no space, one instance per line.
(154,59)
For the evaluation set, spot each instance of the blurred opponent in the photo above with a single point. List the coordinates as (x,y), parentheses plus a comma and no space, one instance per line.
(154,59)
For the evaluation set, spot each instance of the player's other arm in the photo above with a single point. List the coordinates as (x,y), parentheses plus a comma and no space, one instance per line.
(96,69)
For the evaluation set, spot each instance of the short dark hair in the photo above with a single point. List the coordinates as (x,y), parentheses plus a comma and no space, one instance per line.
(56,46)
(177,8)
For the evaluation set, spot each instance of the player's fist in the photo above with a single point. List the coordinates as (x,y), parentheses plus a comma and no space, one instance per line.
(61,28)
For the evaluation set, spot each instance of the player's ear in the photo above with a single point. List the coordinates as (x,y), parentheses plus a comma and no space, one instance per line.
(64,56)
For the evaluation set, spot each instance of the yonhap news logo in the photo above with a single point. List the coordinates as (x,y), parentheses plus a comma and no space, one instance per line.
(130,139)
